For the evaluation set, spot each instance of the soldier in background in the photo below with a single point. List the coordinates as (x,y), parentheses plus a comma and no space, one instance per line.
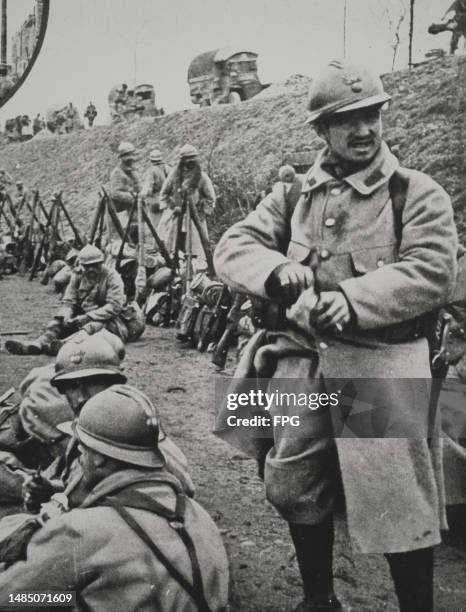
(186,180)
(90,114)
(20,200)
(37,124)
(154,549)
(6,181)
(456,13)
(94,299)
(124,181)
(152,183)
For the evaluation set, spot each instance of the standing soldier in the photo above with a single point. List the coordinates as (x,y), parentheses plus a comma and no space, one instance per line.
(186,180)
(20,200)
(94,299)
(124,181)
(6,181)
(91,114)
(37,124)
(360,313)
(70,114)
(152,183)
(457,14)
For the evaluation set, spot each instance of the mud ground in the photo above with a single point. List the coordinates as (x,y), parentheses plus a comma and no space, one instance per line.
(181,383)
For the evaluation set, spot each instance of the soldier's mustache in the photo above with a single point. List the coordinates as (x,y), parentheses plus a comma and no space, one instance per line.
(361,141)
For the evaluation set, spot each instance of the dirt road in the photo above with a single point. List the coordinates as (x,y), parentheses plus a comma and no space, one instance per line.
(181,383)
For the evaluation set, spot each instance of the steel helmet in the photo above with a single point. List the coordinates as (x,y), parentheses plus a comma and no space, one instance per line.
(188,151)
(85,356)
(71,256)
(126,148)
(90,254)
(155,156)
(344,87)
(122,423)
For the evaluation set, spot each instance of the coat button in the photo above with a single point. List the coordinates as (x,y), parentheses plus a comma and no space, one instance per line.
(330,222)
(323,345)
(324,254)
(335,191)
(380,263)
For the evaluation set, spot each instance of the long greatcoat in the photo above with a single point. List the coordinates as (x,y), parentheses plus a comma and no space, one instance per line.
(392,484)
(202,195)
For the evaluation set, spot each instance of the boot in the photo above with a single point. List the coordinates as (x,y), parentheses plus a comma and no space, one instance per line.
(413,575)
(314,553)
(17,347)
(53,348)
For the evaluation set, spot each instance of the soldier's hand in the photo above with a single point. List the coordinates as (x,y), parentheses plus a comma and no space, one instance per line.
(177,210)
(36,492)
(332,311)
(78,322)
(290,280)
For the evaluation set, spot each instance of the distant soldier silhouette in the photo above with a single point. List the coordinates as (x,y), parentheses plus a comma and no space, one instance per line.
(37,124)
(458,8)
(90,114)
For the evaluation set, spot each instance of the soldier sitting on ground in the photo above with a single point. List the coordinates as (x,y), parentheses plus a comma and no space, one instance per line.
(136,543)
(94,299)
(84,366)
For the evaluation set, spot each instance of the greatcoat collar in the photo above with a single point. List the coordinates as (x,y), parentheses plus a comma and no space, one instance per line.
(366,181)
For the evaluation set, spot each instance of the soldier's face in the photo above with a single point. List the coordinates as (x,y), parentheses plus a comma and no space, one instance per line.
(90,463)
(354,136)
(92,271)
(79,391)
(189,164)
(127,161)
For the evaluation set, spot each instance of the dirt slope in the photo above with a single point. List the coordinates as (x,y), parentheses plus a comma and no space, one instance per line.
(243,146)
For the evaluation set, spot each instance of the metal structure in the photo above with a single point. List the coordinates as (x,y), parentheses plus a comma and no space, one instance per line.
(224,76)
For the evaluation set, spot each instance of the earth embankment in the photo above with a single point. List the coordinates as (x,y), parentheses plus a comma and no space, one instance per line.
(242,146)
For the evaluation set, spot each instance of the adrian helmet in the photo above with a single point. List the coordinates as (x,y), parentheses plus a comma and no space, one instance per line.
(89,255)
(344,87)
(126,148)
(188,151)
(122,423)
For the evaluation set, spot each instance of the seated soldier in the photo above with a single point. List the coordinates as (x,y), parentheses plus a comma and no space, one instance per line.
(94,299)
(136,543)
(84,367)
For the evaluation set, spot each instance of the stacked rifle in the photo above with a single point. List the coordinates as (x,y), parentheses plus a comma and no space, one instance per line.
(37,234)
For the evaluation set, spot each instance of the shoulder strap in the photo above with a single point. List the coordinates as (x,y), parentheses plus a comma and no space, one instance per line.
(294,193)
(136,499)
(398,189)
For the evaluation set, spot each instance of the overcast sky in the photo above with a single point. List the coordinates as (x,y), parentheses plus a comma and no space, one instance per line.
(91,45)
